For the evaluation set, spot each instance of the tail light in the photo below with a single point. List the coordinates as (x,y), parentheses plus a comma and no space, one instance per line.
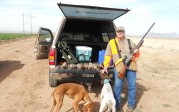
(51,56)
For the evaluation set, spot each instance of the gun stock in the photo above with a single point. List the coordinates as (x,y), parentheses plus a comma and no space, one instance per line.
(121,74)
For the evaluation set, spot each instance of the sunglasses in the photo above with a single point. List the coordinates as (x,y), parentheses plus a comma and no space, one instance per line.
(120,31)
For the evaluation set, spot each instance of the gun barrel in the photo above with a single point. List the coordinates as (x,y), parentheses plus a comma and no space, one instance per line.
(140,44)
(142,39)
(148,31)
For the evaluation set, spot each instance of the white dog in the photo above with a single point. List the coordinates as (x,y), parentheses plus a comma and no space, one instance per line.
(107,98)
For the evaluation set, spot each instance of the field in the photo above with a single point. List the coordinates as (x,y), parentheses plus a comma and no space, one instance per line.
(7,36)
(24,80)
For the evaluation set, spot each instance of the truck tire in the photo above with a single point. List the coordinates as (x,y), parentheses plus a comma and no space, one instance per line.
(36,56)
(52,81)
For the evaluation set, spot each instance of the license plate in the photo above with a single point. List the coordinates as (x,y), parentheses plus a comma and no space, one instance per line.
(87,75)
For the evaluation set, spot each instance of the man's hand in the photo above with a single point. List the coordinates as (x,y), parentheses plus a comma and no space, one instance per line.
(104,70)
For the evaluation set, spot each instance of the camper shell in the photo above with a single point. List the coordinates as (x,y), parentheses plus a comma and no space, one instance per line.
(83,33)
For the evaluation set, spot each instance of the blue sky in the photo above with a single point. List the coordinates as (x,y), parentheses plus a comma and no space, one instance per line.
(45,13)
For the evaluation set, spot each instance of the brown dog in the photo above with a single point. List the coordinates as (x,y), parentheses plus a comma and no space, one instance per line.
(74,91)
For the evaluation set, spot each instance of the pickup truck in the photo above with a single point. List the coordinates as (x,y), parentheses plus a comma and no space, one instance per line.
(74,51)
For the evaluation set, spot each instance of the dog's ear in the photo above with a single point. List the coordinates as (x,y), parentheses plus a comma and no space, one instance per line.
(92,106)
(88,107)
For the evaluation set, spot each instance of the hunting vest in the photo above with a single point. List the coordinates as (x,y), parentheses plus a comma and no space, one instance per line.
(112,53)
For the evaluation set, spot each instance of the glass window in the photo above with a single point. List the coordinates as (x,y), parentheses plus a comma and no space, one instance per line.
(44,35)
(105,37)
(85,37)
(79,37)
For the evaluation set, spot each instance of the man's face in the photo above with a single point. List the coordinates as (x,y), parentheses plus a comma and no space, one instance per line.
(120,34)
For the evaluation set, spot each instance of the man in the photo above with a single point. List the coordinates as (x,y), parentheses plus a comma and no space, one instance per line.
(118,55)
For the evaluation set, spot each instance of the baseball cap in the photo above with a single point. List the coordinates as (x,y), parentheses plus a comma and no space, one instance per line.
(120,28)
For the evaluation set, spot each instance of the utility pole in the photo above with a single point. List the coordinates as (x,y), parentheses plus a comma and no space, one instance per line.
(23,25)
(31,22)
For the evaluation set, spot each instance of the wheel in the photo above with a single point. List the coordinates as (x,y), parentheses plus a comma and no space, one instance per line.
(52,81)
(36,56)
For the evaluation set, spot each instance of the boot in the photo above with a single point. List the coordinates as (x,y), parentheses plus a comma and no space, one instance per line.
(130,109)
(118,110)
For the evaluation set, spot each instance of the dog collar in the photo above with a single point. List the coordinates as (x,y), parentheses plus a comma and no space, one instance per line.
(106,81)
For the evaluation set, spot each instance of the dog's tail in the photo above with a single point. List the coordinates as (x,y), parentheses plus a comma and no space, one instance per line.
(51,95)
(54,102)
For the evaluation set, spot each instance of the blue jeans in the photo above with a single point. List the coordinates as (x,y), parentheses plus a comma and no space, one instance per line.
(131,80)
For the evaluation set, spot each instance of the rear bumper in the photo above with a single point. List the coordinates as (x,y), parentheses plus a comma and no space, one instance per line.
(44,55)
(81,71)
(77,75)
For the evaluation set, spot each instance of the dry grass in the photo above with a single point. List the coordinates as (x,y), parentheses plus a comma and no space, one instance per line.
(158,75)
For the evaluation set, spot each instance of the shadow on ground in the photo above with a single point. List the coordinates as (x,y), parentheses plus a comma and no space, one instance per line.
(140,89)
(7,67)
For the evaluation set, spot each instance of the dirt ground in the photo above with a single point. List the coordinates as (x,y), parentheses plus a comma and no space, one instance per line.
(24,80)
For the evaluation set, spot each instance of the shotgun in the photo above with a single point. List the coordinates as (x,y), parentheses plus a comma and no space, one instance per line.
(121,74)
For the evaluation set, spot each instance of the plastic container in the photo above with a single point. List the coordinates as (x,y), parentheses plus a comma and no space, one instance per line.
(83,58)
(101,56)
(83,53)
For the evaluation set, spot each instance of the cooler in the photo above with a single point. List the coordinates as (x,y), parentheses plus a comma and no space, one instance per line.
(83,53)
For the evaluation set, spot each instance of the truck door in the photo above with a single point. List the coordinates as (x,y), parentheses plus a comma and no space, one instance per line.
(42,43)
